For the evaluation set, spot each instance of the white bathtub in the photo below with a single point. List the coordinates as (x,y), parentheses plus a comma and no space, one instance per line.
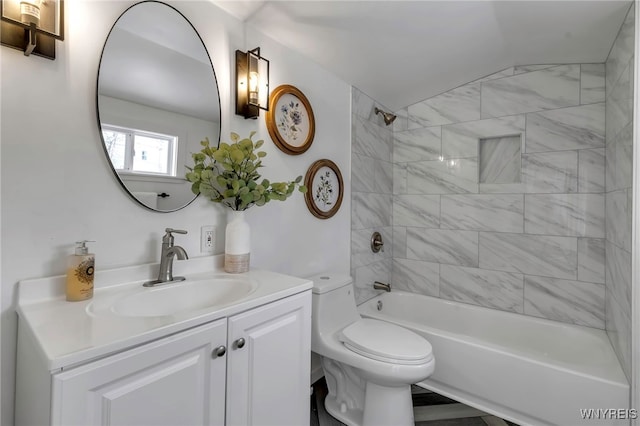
(528,370)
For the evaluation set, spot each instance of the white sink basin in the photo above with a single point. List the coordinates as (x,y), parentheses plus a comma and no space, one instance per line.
(185,296)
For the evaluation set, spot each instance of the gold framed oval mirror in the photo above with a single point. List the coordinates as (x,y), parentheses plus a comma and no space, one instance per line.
(157,98)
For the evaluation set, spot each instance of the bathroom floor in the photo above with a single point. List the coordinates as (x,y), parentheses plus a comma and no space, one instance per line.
(427,405)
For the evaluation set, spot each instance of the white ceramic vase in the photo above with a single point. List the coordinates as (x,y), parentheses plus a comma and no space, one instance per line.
(237,245)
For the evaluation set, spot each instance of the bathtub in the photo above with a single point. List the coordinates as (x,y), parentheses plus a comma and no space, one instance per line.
(527,370)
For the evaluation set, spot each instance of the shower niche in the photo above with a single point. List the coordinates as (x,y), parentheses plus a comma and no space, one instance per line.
(500,160)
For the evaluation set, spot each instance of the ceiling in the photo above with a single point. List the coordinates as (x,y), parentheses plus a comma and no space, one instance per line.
(402,52)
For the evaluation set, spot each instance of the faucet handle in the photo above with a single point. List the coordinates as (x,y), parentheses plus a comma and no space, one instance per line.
(377,244)
(176,231)
(168,237)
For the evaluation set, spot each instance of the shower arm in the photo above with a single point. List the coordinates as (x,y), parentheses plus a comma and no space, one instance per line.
(387,116)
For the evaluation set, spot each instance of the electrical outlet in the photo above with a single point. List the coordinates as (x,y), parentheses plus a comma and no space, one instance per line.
(207,239)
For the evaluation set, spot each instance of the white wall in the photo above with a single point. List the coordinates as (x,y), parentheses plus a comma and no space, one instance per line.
(57,186)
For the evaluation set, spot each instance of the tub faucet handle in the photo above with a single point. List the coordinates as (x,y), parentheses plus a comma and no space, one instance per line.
(377,244)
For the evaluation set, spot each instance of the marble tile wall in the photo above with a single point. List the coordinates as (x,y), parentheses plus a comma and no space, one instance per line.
(535,245)
(618,171)
(499,193)
(372,204)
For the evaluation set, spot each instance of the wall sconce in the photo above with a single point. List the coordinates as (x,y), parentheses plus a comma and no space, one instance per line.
(252,89)
(32,26)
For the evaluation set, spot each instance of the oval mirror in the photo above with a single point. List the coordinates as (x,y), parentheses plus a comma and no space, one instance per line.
(157,98)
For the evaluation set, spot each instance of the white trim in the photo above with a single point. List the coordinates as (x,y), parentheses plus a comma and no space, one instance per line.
(635,232)
(144,177)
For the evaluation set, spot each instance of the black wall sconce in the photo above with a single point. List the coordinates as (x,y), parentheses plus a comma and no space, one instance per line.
(252,88)
(32,26)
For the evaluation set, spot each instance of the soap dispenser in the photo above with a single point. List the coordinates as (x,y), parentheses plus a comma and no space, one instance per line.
(80,268)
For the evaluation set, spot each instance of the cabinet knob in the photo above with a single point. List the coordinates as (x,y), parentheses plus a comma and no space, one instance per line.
(240,343)
(218,352)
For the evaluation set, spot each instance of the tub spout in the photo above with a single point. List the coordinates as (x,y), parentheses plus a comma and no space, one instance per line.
(381,286)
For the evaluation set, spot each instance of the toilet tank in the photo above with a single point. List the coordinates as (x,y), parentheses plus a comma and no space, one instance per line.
(333,305)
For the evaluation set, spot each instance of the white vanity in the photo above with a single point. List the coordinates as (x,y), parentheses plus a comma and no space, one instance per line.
(215,349)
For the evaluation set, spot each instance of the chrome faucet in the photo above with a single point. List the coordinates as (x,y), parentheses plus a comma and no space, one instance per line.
(381,286)
(169,251)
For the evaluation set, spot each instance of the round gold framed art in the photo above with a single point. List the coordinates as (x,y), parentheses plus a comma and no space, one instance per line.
(324,189)
(290,120)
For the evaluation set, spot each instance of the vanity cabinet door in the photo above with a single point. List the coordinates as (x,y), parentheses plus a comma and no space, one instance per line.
(177,380)
(268,370)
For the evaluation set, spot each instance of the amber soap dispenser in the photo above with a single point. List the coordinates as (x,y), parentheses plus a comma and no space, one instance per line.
(80,268)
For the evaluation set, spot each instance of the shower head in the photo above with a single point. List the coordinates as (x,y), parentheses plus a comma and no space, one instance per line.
(387,116)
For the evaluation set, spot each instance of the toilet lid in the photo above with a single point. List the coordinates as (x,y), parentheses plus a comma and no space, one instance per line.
(386,342)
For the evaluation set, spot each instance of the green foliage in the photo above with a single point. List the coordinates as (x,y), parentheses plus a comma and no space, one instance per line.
(228,175)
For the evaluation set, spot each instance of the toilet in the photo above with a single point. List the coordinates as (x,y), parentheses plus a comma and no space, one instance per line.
(369,365)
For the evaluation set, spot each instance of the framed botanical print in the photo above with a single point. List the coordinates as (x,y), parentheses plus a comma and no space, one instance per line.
(324,189)
(290,120)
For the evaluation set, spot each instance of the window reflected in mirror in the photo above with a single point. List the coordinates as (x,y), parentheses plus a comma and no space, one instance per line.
(142,153)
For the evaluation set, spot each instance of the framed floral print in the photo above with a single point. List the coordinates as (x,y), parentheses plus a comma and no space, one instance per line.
(324,189)
(290,120)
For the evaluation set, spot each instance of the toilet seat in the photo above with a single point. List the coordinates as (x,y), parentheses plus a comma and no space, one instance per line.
(386,342)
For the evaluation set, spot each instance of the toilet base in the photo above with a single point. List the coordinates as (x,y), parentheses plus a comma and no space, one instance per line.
(397,409)
(356,401)
(387,406)
(350,417)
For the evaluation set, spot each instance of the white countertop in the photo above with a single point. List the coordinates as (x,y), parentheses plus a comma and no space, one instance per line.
(70,333)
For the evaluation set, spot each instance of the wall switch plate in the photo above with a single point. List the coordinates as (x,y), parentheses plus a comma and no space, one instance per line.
(207,239)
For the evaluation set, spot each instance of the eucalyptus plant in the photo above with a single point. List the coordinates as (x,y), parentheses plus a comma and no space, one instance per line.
(228,175)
